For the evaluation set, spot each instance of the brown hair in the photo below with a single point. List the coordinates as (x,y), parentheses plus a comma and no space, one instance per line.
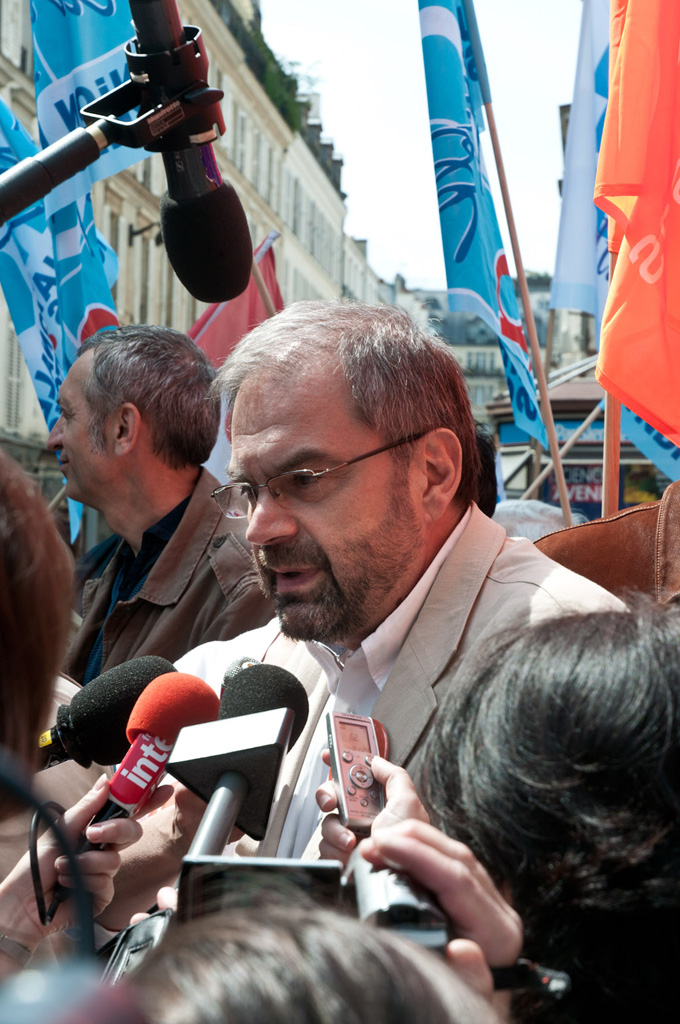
(35,607)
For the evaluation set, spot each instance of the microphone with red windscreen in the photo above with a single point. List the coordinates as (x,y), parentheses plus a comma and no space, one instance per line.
(168,704)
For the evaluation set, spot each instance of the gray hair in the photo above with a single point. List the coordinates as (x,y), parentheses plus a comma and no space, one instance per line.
(284,961)
(403,381)
(167,377)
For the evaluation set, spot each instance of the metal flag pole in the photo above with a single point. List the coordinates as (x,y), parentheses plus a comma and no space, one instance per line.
(546,409)
(611,448)
(263,290)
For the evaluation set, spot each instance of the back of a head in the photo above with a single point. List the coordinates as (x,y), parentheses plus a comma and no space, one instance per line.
(167,377)
(35,602)
(557,759)
(487,497)
(531,518)
(403,381)
(288,964)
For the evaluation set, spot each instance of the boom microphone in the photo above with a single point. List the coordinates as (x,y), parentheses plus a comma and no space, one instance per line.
(204,226)
(92,727)
(170,702)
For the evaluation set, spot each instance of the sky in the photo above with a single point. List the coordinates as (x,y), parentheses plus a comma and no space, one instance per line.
(364,57)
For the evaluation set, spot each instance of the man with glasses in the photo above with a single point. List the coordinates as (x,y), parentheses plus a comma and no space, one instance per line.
(355,463)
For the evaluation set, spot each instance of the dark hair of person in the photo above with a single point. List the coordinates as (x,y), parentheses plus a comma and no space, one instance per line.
(556,758)
(35,608)
(298,965)
(167,377)
(487,485)
(403,380)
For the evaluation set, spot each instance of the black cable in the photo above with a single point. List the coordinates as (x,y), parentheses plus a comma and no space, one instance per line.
(13,777)
(38,890)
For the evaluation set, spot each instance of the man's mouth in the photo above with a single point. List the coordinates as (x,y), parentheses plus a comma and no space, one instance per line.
(293,579)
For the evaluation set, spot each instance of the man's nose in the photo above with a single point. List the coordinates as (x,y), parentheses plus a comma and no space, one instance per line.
(54,441)
(269,522)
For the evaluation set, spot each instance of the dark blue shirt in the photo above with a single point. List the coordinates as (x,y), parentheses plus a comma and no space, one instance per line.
(132,572)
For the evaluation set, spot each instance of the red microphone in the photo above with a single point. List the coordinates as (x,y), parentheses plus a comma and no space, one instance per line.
(170,702)
(165,706)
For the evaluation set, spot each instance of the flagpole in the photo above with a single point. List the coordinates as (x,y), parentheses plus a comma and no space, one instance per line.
(566,447)
(611,446)
(519,266)
(546,369)
(263,290)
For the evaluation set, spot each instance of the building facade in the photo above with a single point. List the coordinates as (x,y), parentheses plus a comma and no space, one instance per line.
(273,152)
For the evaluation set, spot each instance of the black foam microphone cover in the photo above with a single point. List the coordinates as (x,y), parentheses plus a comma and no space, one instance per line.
(98,714)
(208,243)
(264,688)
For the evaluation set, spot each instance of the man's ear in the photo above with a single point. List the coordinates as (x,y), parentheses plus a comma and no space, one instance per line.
(442,464)
(125,428)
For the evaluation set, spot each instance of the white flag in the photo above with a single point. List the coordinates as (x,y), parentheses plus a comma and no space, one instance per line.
(582,263)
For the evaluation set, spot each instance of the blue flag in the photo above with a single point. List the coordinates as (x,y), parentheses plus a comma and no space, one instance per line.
(79,56)
(477,273)
(53,277)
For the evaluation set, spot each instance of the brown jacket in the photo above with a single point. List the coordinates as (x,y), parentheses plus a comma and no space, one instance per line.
(203,587)
(637,548)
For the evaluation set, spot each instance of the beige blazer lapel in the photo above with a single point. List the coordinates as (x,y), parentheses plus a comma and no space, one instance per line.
(408,699)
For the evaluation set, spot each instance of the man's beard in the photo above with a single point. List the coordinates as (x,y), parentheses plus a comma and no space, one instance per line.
(341,604)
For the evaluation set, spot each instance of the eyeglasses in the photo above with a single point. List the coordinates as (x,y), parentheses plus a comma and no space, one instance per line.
(297,487)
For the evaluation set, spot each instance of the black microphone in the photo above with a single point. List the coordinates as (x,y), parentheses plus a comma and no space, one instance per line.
(92,727)
(234,764)
(203,225)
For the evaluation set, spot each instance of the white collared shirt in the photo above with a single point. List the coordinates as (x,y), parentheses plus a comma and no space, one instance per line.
(355,680)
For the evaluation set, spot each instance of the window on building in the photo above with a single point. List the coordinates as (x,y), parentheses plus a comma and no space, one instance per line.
(146,173)
(257,159)
(311,228)
(226,105)
(476,362)
(13,382)
(241,130)
(269,185)
(17,46)
(233,131)
(288,199)
(145,284)
(114,227)
(297,208)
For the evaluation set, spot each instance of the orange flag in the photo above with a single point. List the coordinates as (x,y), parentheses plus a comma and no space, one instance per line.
(638,185)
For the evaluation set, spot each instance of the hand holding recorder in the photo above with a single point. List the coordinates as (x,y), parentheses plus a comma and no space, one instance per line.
(399,800)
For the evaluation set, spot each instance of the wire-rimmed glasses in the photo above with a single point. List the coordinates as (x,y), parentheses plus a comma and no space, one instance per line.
(296,487)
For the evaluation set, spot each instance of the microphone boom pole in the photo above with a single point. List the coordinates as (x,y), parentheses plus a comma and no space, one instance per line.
(189,110)
(175,112)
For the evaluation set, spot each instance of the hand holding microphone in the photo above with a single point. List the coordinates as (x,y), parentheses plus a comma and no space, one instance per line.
(19,911)
(168,703)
